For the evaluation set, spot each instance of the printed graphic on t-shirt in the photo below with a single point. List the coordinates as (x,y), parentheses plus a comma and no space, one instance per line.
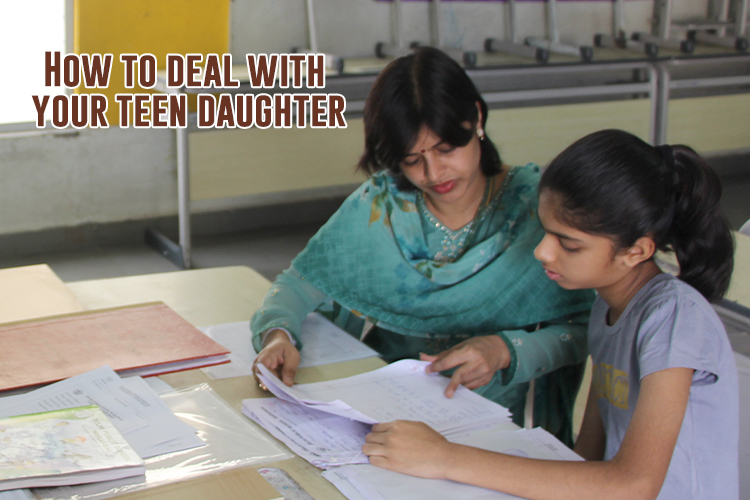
(610,383)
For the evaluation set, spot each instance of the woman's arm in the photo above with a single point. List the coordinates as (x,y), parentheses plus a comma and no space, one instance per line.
(636,472)
(559,342)
(522,355)
(284,307)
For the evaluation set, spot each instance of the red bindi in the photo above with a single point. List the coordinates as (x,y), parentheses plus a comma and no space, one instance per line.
(422,151)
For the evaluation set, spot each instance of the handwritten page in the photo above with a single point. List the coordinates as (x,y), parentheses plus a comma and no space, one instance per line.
(326,422)
(323,439)
(399,391)
(323,341)
(373,483)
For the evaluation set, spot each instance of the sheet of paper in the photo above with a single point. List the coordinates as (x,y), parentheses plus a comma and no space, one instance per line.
(340,480)
(16,495)
(131,405)
(326,422)
(323,341)
(323,439)
(399,391)
(372,483)
(97,387)
(165,432)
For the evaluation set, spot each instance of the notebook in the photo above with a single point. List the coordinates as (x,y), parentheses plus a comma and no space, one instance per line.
(64,447)
(143,339)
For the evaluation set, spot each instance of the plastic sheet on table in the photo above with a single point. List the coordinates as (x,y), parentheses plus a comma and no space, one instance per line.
(231,441)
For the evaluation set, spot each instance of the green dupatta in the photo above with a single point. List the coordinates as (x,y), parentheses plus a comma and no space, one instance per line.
(371,257)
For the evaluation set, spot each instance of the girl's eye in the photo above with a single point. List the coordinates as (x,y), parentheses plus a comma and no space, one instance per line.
(569,249)
(446,148)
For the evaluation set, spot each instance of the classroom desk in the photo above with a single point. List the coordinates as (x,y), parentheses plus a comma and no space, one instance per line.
(205,297)
(32,291)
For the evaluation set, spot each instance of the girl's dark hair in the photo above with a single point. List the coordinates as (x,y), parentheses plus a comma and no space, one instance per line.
(614,184)
(425,88)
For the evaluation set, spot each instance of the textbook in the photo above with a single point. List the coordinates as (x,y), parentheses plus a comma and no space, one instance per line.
(143,339)
(63,447)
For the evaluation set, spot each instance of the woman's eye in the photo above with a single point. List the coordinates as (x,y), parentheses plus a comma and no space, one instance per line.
(410,161)
(446,149)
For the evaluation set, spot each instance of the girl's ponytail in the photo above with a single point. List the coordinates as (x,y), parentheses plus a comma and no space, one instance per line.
(699,233)
(613,183)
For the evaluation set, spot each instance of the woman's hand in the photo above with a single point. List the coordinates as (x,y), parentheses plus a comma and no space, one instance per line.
(278,355)
(477,358)
(410,448)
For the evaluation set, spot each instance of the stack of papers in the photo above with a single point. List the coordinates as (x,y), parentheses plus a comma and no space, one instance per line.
(64,447)
(323,342)
(366,482)
(326,422)
(135,410)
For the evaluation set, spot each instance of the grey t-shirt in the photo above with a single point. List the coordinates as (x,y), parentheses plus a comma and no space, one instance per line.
(668,324)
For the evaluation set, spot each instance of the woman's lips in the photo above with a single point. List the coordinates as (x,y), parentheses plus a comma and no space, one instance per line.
(443,188)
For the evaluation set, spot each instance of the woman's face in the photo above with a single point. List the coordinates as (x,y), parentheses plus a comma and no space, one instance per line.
(445,173)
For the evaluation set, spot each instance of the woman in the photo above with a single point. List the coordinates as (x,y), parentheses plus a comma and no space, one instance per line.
(435,250)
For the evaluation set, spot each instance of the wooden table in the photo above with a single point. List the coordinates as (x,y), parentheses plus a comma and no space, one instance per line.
(206,297)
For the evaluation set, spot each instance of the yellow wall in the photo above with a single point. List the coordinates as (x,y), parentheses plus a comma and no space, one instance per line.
(156,27)
(708,124)
(537,134)
(227,163)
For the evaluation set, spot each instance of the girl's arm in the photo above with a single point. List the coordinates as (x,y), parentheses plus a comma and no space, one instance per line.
(637,471)
(592,439)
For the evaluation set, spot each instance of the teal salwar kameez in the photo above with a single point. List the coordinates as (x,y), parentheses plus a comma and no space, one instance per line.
(383,257)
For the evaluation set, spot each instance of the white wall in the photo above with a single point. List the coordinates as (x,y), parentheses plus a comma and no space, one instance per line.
(112,175)
(88,176)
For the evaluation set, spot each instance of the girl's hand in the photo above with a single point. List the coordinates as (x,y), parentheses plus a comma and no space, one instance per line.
(478,358)
(278,355)
(410,448)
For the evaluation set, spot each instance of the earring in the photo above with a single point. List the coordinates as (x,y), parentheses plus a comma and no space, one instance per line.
(480,134)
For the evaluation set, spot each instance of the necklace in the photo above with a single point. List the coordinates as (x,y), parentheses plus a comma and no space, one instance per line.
(454,243)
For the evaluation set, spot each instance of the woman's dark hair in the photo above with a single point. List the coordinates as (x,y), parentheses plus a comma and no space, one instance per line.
(614,184)
(425,88)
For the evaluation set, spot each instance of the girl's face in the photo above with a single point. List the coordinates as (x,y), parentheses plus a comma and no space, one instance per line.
(573,258)
(445,173)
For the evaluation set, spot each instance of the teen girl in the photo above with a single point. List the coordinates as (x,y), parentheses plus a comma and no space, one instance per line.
(662,415)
